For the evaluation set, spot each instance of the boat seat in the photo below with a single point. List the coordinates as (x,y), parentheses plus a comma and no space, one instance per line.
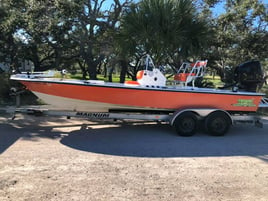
(139,74)
(199,64)
(131,83)
(188,72)
(182,77)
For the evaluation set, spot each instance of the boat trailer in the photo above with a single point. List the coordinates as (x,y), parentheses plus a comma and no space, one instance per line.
(186,122)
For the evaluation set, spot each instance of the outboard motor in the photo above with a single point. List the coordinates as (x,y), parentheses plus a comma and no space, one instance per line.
(248,75)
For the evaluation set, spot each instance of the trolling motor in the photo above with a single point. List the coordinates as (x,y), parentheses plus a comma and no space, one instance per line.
(248,76)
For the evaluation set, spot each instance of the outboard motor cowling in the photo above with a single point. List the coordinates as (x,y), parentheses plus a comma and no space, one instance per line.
(248,75)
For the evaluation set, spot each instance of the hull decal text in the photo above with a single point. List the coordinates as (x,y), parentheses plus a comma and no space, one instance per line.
(93,115)
(245,103)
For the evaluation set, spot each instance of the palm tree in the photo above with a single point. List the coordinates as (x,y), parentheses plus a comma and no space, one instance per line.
(163,28)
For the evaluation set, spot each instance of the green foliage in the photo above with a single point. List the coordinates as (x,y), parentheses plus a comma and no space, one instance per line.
(163,28)
(88,35)
(4,88)
(58,33)
(240,34)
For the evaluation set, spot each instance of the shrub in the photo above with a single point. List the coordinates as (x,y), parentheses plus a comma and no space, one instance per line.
(5,85)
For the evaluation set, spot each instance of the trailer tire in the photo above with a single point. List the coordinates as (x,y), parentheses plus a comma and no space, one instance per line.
(185,124)
(218,123)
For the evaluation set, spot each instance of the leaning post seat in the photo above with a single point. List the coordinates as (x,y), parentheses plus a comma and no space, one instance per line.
(188,72)
(182,77)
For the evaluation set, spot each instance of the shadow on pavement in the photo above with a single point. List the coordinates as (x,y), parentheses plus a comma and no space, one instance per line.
(25,127)
(8,138)
(142,140)
(161,141)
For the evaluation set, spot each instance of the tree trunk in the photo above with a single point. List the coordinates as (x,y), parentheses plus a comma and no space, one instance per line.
(83,69)
(110,73)
(92,65)
(123,64)
(35,59)
(92,71)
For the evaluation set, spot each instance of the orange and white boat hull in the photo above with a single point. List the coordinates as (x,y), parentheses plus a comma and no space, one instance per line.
(102,97)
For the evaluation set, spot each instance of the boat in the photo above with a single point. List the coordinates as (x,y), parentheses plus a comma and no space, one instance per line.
(149,93)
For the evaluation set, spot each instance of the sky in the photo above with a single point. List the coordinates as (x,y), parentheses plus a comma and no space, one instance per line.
(219,8)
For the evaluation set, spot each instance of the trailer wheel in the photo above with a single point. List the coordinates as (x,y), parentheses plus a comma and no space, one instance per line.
(217,123)
(186,124)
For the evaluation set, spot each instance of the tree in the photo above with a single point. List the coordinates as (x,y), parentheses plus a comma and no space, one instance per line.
(57,33)
(34,30)
(92,31)
(9,24)
(163,28)
(240,35)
